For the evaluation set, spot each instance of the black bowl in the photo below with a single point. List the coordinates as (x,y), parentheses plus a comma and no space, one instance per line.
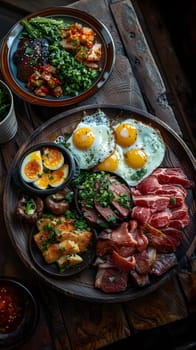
(100,222)
(27,315)
(53,270)
(68,159)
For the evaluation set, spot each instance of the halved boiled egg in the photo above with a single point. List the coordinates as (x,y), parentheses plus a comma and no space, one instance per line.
(57,177)
(52,158)
(32,166)
(43,181)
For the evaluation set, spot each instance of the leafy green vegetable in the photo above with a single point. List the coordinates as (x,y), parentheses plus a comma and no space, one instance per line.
(76,75)
(43,27)
(173,200)
(30,207)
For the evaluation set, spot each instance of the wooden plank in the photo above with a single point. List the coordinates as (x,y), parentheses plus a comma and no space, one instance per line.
(75,324)
(164,306)
(188,282)
(143,64)
(178,87)
(93,325)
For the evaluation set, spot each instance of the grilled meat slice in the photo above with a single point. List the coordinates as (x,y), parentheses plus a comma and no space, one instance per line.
(30,54)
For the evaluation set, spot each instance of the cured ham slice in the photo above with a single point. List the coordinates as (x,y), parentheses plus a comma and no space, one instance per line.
(122,263)
(123,236)
(141,214)
(160,219)
(142,240)
(148,185)
(172,176)
(160,203)
(155,202)
(164,242)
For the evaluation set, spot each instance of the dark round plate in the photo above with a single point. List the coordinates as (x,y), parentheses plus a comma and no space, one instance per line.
(83,285)
(52,269)
(11,40)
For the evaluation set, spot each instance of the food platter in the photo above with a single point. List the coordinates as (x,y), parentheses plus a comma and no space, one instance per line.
(82,285)
(69,15)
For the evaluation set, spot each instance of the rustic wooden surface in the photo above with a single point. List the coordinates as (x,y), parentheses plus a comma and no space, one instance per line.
(179,90)
(67,323)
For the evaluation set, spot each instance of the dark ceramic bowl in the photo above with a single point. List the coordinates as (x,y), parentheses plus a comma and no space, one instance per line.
(11,41)
(100,222)
(52,269)
(26,315)
(68,159)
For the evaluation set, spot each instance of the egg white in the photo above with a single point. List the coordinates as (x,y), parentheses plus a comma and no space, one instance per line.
(103,145)
(31,157)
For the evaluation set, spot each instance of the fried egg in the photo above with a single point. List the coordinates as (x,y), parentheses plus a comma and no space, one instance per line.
(92,140)
(32,167)
(52,158)
(140,149)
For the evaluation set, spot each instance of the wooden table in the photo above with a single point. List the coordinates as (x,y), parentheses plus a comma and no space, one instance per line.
(65,322)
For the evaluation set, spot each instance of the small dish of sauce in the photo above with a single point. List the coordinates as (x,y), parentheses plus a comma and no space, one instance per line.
(19,313)
(11,308)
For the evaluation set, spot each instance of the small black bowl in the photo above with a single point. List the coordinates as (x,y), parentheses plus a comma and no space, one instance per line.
(68,159)
(27,313)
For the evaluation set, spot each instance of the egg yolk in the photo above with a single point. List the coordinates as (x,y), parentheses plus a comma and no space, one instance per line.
(83,138)
(52,158)
(126,134)
(110,163)
(58,176)
(136,158)
(32,169)
(43,181)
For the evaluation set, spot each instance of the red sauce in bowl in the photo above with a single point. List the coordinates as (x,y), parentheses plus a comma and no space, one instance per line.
(11,308)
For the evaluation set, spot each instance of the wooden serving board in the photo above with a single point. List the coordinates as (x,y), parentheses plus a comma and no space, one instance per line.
(82,285)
